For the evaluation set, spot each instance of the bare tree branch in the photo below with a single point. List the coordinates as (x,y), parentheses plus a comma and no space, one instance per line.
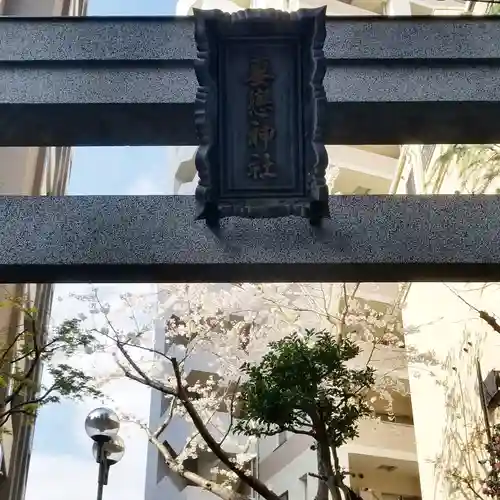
(217,489)
(231,413)
(252,481)
(167,419)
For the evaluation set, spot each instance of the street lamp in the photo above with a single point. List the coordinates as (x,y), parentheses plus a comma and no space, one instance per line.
(102,425)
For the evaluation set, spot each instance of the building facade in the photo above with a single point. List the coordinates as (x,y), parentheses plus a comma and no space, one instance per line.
(29,171)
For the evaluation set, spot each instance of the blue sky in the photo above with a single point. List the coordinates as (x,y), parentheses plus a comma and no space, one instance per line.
(119,170)
(62,466)
(131,7)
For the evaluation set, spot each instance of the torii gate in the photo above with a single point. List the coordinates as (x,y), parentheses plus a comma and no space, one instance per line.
(130,81)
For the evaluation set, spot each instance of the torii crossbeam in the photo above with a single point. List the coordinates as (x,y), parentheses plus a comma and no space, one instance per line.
(130,81)
(127,81)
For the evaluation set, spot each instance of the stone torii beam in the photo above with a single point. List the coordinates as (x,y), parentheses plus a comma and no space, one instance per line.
(130,81)
(104,81)
(155,239)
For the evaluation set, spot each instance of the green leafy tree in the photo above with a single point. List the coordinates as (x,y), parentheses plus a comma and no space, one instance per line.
(26,350)
(304,385)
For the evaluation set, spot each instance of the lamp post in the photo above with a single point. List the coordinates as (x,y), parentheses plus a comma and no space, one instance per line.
(102,426)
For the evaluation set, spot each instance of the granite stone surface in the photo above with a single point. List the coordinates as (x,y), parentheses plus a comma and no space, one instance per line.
(118,81)
(156,239)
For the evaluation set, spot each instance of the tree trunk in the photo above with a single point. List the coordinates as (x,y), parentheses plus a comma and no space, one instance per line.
(326,471)
(322,491)
(333,479)
(349,494)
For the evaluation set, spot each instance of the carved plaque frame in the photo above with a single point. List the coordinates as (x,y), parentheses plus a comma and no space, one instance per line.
(259,112)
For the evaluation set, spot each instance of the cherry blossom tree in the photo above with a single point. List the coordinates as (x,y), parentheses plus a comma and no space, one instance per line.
(190,343)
